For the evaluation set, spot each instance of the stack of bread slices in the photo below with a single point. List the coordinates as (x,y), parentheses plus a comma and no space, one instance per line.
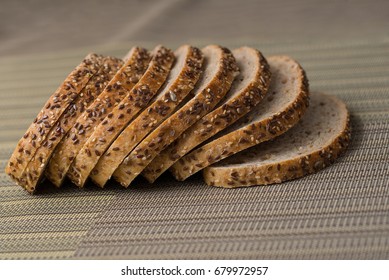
(240,117)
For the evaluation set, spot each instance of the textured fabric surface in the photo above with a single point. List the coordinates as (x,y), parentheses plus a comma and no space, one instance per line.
(341,212)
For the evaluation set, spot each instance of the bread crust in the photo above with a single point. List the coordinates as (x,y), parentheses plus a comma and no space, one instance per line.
(152,116)
(135,101)
(35,168)
(67,149)
(226,114)
(283,170)
(249,135)
(53,109)
(170,129)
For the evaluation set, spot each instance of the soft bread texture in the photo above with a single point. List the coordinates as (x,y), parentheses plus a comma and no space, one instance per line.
(182,79)
(247,90)
(286,102)
(219,71)
(35,168)
(136,100)
(53,109)
(321,136)
(122,83)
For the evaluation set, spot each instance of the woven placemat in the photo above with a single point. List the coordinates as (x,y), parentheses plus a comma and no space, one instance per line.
(341,212)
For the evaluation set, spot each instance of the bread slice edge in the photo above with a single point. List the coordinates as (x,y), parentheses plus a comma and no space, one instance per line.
(242,175)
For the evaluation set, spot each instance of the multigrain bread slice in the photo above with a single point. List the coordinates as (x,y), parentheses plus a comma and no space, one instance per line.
(247,90)
(35,168)
(50,113)
(136,64)
(182,79)
(220,70)
(321,136)
(286,102)
(107,131)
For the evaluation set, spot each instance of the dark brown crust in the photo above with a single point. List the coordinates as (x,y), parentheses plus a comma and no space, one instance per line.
(151,117)
(127,76)
(54,107)
(245,137)
(213,122)
(171,128)
(94,87)
(281,171)
(135,101)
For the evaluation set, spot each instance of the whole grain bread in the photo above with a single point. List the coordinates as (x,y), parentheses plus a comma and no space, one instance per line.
(122,83)
(320,137)
(247,90)
(220,70)
(54,107)
(182,79)
(35,168)
(283,107)
(136,100)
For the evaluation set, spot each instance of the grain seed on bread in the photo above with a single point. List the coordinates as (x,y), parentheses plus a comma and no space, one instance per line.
(286,102)
(54,107)
(182,79)
(122,83)
(320,137)
(220,69)
(247,90)
(94,87)
(135,101)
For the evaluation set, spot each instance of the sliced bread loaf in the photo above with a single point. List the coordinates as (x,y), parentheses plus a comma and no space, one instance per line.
(314,143)
(49,115)
(136,100)
(182,79)
(124,80)
(283,107)
(219,71)
(247,90)
(94,87)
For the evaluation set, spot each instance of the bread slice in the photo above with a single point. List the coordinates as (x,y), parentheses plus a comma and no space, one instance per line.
(124,80)
(136,100)
(314,143)
(219,71)
(247,90)
(35,168)
(49,115)
(181,81)
(286,102)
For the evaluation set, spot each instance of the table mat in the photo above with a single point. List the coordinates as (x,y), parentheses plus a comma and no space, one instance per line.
(341,212)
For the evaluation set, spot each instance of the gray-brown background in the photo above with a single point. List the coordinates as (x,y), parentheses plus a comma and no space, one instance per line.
(38,26)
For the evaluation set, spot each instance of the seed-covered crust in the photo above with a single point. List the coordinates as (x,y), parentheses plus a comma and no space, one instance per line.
(55,106)
(246,133)
(241,102)
(135,101)
(94,87)
(122,83)
(205,99)
(181,81)
(256,166)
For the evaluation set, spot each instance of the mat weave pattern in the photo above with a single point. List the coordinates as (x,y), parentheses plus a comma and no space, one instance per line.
(341,212)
